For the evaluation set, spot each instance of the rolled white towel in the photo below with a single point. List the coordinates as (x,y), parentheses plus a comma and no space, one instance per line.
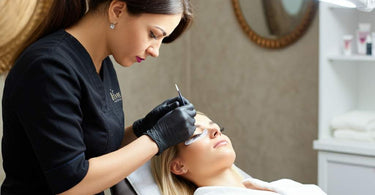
(355,120)
(349,134)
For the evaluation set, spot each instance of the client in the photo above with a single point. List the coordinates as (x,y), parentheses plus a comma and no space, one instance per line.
(204,165)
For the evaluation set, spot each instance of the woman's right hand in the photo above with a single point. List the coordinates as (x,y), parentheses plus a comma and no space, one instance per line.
(140,126)
(174,127)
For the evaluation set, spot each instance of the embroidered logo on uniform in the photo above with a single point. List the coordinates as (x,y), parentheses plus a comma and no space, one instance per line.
(116,96)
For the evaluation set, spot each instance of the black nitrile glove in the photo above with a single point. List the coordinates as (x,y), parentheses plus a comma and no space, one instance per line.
(173,128)
(146,123)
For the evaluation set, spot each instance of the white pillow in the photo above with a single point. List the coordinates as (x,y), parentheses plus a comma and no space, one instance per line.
(144,183)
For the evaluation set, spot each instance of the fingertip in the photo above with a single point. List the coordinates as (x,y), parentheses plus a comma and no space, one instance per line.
(175,105)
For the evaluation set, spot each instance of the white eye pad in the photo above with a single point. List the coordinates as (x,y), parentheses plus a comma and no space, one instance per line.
(196,137)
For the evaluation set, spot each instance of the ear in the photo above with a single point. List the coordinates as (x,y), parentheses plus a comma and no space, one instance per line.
(115,10)
(178,167)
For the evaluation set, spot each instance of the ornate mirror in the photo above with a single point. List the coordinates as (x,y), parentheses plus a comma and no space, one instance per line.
(18,20)
(274,23)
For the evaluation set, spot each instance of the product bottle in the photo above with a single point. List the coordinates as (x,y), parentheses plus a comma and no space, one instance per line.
(347,44)
(373,45)
(362,32)
(368,45)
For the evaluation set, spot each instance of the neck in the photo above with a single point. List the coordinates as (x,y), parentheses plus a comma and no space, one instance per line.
(227,177)
(90,32)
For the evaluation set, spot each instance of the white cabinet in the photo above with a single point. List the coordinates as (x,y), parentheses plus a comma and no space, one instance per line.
(345,83)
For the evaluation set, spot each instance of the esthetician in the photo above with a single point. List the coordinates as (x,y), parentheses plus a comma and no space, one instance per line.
(62,106)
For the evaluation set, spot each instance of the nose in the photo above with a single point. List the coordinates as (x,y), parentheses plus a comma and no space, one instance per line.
(153,50)
(214,132)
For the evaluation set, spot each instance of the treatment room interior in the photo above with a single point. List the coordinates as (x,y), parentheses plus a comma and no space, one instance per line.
(267,99)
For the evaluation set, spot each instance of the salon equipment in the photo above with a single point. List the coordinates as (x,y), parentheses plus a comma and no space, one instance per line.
(179,94)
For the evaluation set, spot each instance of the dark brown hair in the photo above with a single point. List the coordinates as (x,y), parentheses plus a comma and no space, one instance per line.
(64,13)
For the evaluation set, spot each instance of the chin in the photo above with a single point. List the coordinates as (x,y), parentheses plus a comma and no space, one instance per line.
(228,157)
(124,63)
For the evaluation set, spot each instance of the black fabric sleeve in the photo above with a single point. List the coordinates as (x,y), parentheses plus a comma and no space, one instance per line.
(49,110)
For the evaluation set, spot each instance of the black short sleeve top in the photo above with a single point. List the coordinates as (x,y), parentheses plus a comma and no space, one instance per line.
(58,112)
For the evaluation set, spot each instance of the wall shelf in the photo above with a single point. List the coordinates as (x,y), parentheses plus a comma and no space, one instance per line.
(353,58)
(345,146)
(345,83)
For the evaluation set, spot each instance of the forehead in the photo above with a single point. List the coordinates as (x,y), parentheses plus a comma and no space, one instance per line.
(165,21)
(202,120)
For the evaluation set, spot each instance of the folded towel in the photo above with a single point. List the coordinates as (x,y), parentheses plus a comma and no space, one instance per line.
(355,120)
(349,134)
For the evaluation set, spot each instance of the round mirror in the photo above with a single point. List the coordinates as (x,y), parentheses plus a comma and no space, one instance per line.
(274,23)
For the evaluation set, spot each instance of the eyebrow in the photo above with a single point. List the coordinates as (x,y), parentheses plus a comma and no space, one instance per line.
(164,33)
(210,123)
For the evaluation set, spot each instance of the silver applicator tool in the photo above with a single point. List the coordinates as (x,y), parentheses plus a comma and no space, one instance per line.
(179,94)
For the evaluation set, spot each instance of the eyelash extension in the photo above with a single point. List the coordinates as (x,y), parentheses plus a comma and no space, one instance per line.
(221,129)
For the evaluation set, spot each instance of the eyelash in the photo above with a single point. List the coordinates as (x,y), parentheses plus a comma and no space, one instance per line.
(152,35)
(221,129)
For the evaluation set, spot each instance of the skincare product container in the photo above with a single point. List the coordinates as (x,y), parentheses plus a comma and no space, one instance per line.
(368,45)
(362,32)
(347,45)
(373,45)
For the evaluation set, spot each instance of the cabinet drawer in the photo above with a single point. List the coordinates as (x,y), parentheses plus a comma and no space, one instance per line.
(346,174)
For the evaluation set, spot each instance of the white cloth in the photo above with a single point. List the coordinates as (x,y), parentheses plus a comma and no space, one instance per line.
(281,187)
(349,134)
(144,183)
(355,120)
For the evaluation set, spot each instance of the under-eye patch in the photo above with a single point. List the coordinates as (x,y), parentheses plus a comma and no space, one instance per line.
(196,137)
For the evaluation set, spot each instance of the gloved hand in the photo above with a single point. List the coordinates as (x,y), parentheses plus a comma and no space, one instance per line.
(173,128)
(146,123)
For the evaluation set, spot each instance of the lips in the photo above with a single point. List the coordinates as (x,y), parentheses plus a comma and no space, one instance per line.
(221,143)
(139,59)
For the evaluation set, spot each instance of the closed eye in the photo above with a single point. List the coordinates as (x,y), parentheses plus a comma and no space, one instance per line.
(152,35)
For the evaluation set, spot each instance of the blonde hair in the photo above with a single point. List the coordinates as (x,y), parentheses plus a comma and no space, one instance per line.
(169,183)
(20,22)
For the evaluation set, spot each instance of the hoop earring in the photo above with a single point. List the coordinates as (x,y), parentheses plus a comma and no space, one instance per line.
(112,26)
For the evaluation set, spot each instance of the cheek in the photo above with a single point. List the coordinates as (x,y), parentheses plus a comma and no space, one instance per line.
(202,158)
(195,153)
(125,46)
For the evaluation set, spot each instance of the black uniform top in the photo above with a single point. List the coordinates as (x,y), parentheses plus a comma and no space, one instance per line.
(57,113)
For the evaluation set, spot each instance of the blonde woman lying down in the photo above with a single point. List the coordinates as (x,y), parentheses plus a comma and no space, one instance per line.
(203,165)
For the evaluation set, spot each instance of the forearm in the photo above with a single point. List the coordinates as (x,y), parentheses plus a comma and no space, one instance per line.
(129,136)
(107,170)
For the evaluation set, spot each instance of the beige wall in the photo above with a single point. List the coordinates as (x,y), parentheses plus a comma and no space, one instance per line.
(267,100)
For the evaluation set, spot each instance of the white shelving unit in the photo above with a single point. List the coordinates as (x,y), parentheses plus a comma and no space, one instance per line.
(345,83)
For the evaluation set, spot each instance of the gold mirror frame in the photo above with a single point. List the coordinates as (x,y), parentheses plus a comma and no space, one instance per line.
(280,42)
(26,33)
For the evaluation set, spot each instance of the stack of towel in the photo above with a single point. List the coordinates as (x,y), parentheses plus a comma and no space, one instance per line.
(354,125)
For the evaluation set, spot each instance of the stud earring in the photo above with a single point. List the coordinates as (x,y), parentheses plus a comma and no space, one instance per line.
(112,26)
